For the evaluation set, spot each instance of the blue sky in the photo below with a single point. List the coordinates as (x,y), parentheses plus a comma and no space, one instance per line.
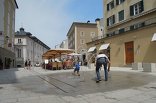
(50,20)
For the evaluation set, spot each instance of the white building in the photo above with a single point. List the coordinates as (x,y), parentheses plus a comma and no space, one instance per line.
(28,47)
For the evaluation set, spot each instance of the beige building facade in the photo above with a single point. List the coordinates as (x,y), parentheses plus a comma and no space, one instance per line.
(79,34)
(7,32)
(129,27)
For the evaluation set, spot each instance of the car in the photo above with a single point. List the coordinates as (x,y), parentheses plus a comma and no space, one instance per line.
(37,64)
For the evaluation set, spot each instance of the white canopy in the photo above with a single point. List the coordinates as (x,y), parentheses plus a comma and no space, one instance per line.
(91,49)
(104,46)
(154,37)
(74,54)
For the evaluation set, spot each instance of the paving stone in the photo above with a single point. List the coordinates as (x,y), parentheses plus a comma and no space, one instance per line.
(47,86)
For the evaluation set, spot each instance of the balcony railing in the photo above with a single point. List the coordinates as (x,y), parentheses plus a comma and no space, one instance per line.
(21,43)
(19,59)
(128,28)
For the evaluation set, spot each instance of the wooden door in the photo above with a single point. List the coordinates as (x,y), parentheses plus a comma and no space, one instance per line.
(129,52)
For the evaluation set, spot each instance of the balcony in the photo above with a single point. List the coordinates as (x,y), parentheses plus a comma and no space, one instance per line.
(19,59)
(19,44)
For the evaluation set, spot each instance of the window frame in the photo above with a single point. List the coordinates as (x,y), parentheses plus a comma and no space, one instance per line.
(120,16)
(136,8)
(110,5)
(111,20)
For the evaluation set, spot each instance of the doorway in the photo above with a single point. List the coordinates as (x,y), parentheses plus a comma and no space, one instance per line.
(129,52)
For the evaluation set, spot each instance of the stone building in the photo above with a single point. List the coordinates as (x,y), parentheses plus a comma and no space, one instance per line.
(7,32)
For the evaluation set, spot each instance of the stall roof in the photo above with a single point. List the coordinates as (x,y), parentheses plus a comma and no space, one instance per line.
(53,53)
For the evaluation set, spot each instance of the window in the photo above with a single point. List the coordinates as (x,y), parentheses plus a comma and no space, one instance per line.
(119,2)
(138,25)
(136,8)
(121,30)
(19,41)
(110,5)
(111,20)
(19,53)
(92,34)
(82,34)
(82,41)
(121,15)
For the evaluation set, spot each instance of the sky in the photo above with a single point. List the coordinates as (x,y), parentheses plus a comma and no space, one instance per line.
(50,20)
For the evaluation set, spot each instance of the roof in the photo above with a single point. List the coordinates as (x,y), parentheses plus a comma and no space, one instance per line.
(28,34)
(16,4)
(53,53)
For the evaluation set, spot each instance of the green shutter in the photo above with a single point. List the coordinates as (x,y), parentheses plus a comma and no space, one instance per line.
(142,5)
(117,2)
(107,7)
(131,11)
(107,21)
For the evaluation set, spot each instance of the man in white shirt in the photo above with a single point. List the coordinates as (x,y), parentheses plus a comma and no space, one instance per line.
(102,59)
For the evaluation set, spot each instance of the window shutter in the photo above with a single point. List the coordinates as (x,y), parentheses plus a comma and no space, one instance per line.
(117,2)
(107,7)
(113,19)
(142,6)
(107,21)
(131,11)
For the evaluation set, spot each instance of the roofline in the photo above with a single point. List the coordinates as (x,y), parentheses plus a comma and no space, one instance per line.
(35,39)
(16,4)
(79,23)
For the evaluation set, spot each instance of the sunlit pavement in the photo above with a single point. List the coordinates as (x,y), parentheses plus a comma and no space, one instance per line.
(61,86)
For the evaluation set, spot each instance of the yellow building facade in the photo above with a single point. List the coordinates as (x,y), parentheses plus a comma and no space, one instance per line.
(129,26)
(79,34)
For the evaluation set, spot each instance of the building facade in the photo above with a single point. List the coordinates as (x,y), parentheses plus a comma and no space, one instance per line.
(7,32)
(28,47)
(129,27)
(79,34)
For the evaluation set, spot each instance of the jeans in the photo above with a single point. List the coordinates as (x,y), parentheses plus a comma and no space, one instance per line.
(98,65)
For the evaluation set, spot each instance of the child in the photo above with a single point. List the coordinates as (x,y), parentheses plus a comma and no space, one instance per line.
(77,68)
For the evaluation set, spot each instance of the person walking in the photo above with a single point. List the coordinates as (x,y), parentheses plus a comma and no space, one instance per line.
(26,64)
(29,64)
(102,59)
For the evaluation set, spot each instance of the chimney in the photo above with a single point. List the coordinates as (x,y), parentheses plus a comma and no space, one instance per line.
(98,26)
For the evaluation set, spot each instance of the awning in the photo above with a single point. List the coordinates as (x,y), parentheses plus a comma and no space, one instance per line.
(104,46)
(154,37)
(91,49)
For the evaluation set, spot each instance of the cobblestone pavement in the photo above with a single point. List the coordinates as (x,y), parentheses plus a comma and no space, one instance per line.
(61,86)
